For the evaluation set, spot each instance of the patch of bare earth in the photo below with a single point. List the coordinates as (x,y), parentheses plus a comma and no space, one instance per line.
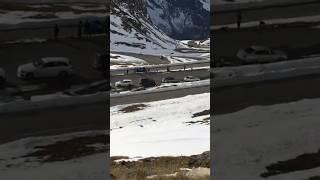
(205,121)
(162,168)
(202,113)
(69,149)
(299,163)
(133,108)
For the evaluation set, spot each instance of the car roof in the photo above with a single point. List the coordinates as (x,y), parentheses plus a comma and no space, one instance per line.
(55,59)
(259,48)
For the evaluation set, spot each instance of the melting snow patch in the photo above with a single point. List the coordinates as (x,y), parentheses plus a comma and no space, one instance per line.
(160,129)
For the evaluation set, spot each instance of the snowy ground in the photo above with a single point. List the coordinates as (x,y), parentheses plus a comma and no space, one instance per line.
(14,166)
(202,43)
(173,59)
(249,140)
(161,128)
(118,60)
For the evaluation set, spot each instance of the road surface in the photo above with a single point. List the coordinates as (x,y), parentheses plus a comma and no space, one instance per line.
(54,121)
(157,96)
(232,99)
(157,77)
(81,52)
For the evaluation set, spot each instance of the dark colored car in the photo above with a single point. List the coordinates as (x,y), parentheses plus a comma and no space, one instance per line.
(141,70)
(147,82)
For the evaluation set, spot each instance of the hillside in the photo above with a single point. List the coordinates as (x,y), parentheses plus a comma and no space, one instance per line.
(131,31)
(187,20)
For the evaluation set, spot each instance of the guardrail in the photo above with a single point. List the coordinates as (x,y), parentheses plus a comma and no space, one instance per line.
(231,76)
(168,67)
(165,89)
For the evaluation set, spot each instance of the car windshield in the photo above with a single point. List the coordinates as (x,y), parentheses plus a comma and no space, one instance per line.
(37,62)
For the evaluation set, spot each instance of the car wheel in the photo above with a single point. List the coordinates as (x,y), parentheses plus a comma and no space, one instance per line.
(30,76)
(63,74)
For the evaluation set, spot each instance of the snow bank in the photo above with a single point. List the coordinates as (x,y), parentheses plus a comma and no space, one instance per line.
(117,60)
(160,129)
(173,59)
(163,89)
(227,76)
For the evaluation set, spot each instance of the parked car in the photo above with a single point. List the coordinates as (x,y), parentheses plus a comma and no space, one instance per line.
(169,80)
(46,67)
(260,54)
(147,82)
(191,79)
(2,76)
(124,83)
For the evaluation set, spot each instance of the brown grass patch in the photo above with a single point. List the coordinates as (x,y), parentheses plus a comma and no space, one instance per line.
(202,113)
(139,170)
(70,149)
(133,108)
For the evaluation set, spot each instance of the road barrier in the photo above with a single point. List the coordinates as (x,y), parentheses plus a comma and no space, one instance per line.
(166,67)
(231,76)
(164,89)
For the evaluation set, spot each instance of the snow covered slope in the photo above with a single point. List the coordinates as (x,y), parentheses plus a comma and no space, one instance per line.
(175,127)
(131,31)
(187,20)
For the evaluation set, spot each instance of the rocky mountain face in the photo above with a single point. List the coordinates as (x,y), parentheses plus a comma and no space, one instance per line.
(132,31)
(180,19)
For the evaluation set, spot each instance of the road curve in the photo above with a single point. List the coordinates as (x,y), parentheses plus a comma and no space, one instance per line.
(157,96)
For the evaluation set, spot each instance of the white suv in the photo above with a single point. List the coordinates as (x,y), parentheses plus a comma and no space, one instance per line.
(45,67)
(124,83)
